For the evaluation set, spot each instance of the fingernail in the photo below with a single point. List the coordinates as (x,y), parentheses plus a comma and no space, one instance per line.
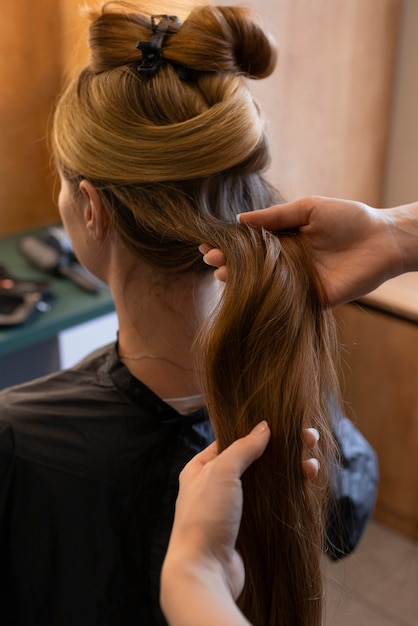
(315,462)
(315,432)
(260,428)
(203,248)
(238,218)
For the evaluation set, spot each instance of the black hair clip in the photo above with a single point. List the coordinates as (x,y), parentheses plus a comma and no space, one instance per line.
(152,50)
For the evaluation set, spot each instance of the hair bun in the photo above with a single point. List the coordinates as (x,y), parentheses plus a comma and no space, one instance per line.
(223,39)
(255,50)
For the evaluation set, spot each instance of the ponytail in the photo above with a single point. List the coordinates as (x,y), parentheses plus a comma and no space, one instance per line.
(269,355)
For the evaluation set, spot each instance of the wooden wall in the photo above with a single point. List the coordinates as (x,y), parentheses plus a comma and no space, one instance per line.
(401,185)
(30,56)
(327,105)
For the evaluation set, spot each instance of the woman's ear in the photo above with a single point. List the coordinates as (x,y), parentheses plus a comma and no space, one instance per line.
(95,217)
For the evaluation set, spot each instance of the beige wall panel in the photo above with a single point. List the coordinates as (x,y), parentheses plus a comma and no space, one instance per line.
(380,361)
(328,103)
(402,170)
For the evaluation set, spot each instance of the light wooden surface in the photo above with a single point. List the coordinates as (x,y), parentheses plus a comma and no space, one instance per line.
(398,296)
(380,383)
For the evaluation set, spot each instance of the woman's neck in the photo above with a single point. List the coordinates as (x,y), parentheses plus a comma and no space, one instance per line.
(158,326)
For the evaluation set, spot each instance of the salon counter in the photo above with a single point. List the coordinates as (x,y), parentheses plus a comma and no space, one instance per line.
(379,336)
(32,349)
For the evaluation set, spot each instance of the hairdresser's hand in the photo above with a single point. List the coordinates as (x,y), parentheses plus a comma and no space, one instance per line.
(310,464)
(356,247)
(209,505)
(202,564)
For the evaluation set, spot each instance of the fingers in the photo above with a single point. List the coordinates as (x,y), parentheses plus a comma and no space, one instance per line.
(204,248)
(212,256)
(235,459)
(310,438)
(215,258)
(221,274)
(278,217)
(206,455)
(240,454)
(310,468)
(282,216)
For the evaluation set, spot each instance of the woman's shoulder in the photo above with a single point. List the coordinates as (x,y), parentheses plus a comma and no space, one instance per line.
(61,409)
(73,420)
(57,388)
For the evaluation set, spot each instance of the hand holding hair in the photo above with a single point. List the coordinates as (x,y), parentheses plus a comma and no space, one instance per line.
(356,247)
(202,563)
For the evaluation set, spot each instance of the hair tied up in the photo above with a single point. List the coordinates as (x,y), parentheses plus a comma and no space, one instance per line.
(161,26)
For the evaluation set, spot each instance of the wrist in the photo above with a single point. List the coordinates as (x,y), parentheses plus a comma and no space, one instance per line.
(402,226)
(194,591)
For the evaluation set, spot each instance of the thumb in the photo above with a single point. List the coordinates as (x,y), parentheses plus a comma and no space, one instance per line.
(241,453)
(279,216)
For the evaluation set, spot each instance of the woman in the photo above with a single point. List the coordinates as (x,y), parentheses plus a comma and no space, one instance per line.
(159,143)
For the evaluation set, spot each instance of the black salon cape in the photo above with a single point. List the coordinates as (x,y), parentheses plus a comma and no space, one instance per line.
(89,465)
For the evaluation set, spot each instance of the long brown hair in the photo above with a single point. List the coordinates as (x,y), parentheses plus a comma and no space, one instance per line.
(271,355)
(175,155)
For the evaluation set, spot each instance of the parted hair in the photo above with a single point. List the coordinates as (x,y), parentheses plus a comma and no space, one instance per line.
(175,155)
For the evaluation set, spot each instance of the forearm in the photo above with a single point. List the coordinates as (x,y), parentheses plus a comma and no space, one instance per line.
(193,595)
